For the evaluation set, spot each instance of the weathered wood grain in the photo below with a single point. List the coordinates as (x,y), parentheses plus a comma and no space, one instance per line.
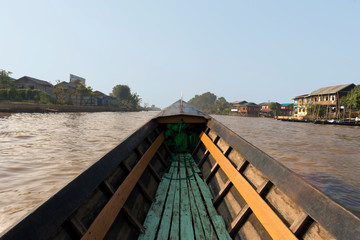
(107,216)
(272,223)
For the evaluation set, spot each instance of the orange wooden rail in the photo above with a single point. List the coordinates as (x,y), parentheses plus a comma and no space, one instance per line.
(268,218)
(106,217)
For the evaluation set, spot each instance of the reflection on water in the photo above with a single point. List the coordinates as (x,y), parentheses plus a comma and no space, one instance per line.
(40,153)
(326,156)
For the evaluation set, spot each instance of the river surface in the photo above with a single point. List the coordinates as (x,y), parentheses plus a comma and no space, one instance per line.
(40,153)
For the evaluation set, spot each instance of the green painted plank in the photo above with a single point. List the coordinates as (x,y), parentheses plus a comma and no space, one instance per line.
(217,220)
(175,223)
(193,163)
(153,217)
(165,224)
(205,220)
(198,228)
(186,228)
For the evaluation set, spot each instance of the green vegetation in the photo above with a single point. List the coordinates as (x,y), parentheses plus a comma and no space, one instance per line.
(20,95)
(317,111)
(125,97)
(352,99)
(65,93)
(60,92)
(5,80)
(274,108)
(210,103)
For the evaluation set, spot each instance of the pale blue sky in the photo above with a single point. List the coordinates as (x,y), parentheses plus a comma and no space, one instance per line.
(241,50)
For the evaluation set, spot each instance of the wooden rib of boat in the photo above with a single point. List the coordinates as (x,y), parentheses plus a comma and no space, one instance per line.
(225,188)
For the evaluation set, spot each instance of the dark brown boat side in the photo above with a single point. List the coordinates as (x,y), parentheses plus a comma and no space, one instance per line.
(256,196)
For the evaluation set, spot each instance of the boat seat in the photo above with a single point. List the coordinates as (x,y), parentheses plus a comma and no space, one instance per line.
(183,207)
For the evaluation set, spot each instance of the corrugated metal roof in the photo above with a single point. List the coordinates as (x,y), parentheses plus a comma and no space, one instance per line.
(330,90)
(38,81)
(250,104)
(239,102)
(301,96)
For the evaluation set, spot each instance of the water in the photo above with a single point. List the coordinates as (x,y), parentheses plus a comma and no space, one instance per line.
(40,153)
(327,156)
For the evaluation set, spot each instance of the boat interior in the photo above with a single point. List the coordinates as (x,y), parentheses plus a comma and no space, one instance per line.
(186,176)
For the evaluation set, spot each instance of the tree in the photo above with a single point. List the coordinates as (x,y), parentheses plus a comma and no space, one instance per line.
(274,108)
(82,90)
(352,99)
(5,80)
(210,103)
(60,92)
(125,97)
(205,102)
(122,92)
(222,106)
(135,100)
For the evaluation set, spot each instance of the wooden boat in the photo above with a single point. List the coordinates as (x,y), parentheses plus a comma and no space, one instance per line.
(225,188)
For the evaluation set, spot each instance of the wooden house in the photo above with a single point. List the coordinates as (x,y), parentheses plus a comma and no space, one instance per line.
(327,96)
(301,105)
(330,96)
(33,83)
(249,109)
(266,111)
(68,93)
(105,100)
(236,105)
(286,109)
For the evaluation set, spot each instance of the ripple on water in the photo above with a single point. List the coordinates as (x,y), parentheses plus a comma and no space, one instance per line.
(310,151)
(40,153)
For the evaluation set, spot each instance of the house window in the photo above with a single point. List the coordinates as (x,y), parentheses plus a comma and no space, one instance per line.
(332,98)
(327,98)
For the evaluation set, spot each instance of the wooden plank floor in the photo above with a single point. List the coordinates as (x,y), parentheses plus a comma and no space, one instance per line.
(183,207)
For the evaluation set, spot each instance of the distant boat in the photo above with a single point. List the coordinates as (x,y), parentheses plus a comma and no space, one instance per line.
(158,184)
(338,122)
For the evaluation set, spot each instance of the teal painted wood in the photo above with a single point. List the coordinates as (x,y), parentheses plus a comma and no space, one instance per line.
(198,228)
(193,163)
(153,217)
(205,219)
(186,227)
(165,224)
(217,220)
(183,207)
(175,222)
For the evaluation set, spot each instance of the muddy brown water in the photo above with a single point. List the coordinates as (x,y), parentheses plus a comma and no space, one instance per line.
(40,153)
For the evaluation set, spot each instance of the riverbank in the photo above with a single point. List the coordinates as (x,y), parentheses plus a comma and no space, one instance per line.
(344,122)
(12,107)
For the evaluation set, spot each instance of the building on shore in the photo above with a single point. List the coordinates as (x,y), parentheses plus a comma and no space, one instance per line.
(301,105)
(265,110)
(286,109)
(68,93)
(249,109)
(326,96)
(105,100)
(235,106)
(33,83)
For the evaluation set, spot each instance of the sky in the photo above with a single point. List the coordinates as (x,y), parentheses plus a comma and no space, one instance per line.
(256,51)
